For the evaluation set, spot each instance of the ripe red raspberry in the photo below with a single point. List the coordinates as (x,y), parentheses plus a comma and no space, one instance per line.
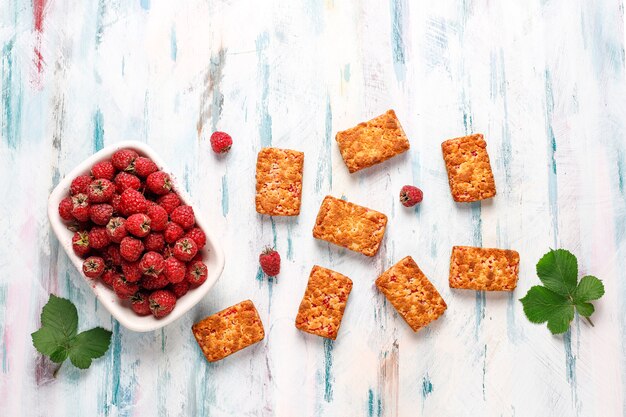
(131,248)
(168,251)
(124,180)
(159,183)
(109,275)
(144,166)
(140,304)
(115,202)
(198,236)
(221,142)
(132,201)
(132,271)
(123,288)
(196,274)
(116,229)
(154,242)
(65,209)
(183,216)
(169,202)
(152,263)
(270,262)
(410,196)
(173,232)
(111,255)
(162,302)
(80,243)
(93,267)
(98,237)
(158,217)
(103,170)
(80,184)
(80,207)
(100,191)
(138,225)
(100,213)
(185,249)
(123,159)
(150,282)
(179,289)
(175,270)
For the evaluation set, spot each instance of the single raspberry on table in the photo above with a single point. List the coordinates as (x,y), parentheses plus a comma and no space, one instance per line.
(109,275)
(124,180)
(154,242)
(79,184)
(100,214)
(270,262)
(179,289)
(93,267)
(138,225)
(175,270)
(197,273)
(111,255)
(80,207)
(116,229)
(132,271)
(162,302)
(103,170)
(132,202)
(198,236)
(98,237)
(150,282)
(144,166)
(131,248)
(80,243)
(151,263)
(410,195)
(221,142)
(65,209)
(100,191)
(140,304)
(159,183)
(183,216)
(123,288)
(185,249)
(169,202)
(123,159)
(173,232)
(158,217)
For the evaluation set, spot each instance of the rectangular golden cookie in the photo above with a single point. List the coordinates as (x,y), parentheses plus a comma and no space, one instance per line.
(411,293)
(372,142)
(349,225)
(483,269)
(324,302)
(229,331)
(279,182)
(469,170)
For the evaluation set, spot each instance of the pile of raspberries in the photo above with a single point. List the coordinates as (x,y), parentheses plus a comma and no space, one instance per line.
(134,233)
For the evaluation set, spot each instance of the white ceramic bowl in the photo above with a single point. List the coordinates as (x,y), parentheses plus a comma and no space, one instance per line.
(212,253)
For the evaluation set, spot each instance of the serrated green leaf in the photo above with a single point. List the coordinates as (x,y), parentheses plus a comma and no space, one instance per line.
(589,288)
(541,305)
(47,341)
(59,355)
(585,309)
(89,345)
(60,315)
(558,271)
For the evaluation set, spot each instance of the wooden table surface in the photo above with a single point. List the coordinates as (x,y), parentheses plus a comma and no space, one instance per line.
(542,79)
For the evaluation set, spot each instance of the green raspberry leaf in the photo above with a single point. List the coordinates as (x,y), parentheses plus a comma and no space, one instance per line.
(585,309)
(88,345)
(558,271)
(60,315)
(542,304)
(589,288)
(47,341)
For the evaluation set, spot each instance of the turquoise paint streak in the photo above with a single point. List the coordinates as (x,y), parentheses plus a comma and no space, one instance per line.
(216,69)
(173,44)
(328,365)
(346,73)
(224,196)
(478,241)
(99,22)
(324,163)
(98,131)
(427,386)
(397,42)
(289,241)
(145,4)
(12,97)
(265,125)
